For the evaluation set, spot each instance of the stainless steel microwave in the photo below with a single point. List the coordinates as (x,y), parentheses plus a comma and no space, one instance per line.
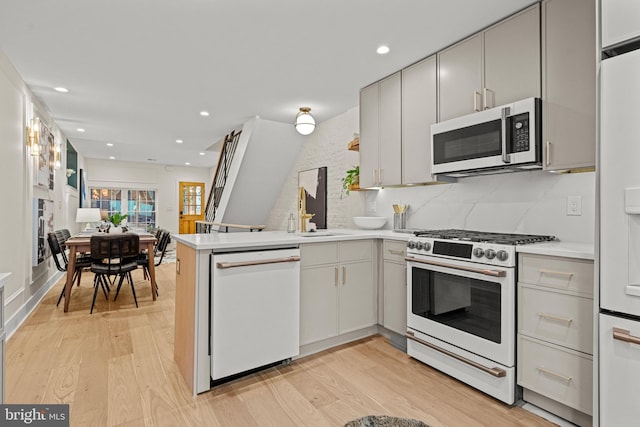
(500,139)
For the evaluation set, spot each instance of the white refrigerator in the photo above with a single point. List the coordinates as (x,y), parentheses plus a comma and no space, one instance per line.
(619,171)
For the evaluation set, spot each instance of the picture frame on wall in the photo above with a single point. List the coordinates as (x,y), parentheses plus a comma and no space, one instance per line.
(314,182)
(42,226)
(45,162)
(82,190)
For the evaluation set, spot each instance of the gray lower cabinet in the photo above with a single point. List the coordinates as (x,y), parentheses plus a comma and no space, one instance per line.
(395,286)
(569,84)
(555,335)
(337,289)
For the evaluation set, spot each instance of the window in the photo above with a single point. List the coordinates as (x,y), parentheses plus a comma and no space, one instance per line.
(140,205)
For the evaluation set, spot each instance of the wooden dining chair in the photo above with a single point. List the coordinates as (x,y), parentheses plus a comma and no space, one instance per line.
(114,255)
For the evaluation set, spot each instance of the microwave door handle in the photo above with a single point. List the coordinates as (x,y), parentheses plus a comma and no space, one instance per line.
(505,114)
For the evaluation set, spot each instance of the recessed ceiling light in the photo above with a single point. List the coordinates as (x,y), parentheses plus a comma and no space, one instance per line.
(112,158)
(179,141)
(204,113)
(187,163)
(61,89)
(202,154)
(109,144)
(80,130)
(383,49)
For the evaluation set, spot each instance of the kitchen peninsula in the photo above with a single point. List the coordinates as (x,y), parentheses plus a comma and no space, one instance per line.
(350,260)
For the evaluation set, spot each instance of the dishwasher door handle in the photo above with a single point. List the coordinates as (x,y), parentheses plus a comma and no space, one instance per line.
(224,264)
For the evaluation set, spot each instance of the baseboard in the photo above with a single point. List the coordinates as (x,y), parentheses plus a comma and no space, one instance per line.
(307,349)
(12,324)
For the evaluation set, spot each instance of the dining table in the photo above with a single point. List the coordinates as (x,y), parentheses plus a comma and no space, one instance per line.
(81,243)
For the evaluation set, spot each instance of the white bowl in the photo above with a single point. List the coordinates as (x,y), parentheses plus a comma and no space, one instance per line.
(370,222)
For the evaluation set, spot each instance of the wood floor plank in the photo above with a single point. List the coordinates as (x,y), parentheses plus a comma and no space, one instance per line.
(115,368)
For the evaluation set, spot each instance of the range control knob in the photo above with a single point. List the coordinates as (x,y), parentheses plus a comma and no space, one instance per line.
(490,254)
(419,246)
(478,252)
(502,255)
(427,246)
(411,244)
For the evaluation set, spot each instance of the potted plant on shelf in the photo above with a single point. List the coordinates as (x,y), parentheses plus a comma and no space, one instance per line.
(117,220)
(352,180)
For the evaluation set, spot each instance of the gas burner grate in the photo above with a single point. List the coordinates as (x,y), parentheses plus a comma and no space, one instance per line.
(485,237)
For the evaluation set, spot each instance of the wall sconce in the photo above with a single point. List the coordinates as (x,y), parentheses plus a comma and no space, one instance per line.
(33,136)
(56,160)
(305,123)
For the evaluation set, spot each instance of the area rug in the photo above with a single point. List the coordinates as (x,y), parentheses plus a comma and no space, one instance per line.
(384,421)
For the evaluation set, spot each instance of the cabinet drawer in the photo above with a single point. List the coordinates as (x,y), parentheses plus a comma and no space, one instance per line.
(557,373)
(356,250)
(394,250)
(566,320)
(568,274)
(318,254)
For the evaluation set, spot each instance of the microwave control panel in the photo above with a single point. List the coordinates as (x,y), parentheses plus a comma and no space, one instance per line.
(520,133)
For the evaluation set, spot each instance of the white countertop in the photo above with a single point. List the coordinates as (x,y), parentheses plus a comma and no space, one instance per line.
(562,249)
(262,239)
(265,239)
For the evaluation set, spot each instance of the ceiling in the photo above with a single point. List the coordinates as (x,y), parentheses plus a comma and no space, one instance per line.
(140,71)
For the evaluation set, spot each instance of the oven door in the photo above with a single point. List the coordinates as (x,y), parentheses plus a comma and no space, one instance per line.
(468,305)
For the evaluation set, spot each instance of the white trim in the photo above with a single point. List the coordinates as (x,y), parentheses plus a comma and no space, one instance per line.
(9,299)
(18,318)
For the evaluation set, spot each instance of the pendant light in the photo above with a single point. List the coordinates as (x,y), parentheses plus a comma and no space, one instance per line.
(305,123)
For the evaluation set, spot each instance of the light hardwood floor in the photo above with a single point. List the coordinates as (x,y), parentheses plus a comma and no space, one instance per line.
(115,368)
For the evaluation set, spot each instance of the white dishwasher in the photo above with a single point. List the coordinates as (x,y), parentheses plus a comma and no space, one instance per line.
(255,309)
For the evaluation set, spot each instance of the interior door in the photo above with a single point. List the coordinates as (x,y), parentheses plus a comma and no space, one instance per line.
(191,204)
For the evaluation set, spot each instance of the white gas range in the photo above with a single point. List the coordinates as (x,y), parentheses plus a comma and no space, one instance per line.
(461,299)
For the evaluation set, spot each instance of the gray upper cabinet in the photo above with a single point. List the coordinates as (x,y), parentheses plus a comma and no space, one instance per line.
(419,109)
(512,59)
(380,133)
(569,84)
(491,68)
(460,78)
(620,22)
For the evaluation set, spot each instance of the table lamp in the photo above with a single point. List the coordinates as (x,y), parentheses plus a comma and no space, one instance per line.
(88,215)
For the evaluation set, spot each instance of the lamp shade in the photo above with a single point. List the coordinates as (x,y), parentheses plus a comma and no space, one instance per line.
(305,123)
(88,215)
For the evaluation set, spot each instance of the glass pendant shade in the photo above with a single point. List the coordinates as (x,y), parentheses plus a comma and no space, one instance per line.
(305,123)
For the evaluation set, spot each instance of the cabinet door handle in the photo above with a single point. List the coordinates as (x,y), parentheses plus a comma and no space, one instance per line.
(625,335)
(547,150)
(380,182)
(557,273)
(476,94)
(344,275)
(556,318)
(554,374)
(336,278)
(373,174)
(178,265)
(395,252)
(484,99)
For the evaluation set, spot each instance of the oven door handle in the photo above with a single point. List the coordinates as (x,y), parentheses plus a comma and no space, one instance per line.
(492,273)
(495,371)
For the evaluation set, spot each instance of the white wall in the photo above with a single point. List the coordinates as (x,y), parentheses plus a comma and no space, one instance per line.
(144,176)
(524,202)
(27,284)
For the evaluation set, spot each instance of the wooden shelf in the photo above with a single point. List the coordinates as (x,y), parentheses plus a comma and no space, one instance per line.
(354,145)
(354,187)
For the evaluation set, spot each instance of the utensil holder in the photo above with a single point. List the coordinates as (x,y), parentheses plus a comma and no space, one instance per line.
(399,221)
